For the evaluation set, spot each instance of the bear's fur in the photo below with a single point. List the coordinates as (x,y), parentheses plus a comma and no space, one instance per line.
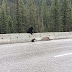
(42,39)
(45,39)
(30,30)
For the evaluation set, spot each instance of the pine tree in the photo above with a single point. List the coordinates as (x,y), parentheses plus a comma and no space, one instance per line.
(45,15)
(9,21)
(0,18)
(39,26)
(3,23)
(70,13)
(66,15)
(32,14)
(55,16)
(13,18)
(18,26)
(10,24)
(3,17)
(23,15)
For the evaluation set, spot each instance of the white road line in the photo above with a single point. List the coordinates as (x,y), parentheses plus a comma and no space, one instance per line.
(63,55)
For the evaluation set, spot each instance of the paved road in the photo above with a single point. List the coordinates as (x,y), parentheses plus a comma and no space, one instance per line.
(45,56)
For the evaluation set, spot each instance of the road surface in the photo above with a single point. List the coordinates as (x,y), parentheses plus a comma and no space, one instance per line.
(42,56)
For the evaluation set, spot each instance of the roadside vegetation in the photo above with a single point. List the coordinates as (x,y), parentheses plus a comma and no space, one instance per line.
(16,16)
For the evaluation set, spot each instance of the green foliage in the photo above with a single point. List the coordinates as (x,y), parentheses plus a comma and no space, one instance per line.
(55,16)
(66,15)
(16,16)
(32,13)
(45,16)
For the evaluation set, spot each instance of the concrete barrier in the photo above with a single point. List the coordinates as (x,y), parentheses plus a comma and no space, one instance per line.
(60,35)
(5,38)
(20,37)
(26,37)
(41,35)
(70,35)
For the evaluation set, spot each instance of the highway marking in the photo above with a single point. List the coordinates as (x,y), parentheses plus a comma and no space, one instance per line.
(63,55)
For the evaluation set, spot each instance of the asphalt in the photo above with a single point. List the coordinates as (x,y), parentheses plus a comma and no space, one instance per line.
(40,56)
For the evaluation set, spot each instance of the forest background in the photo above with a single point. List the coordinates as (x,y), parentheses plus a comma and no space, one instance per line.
(16,16)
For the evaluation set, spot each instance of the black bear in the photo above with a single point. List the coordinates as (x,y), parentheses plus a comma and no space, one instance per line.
(30,30)
(33,40)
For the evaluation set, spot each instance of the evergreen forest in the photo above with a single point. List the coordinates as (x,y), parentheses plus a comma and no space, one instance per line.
(16,16)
